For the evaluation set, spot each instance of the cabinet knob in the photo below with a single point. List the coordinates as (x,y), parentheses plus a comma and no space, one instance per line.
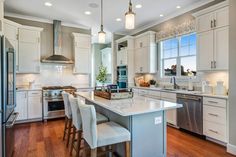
(214,22)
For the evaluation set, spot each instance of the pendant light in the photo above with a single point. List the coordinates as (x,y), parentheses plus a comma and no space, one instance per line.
(130,17)
(101,34)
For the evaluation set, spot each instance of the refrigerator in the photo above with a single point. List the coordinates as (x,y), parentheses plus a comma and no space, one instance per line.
(7,97)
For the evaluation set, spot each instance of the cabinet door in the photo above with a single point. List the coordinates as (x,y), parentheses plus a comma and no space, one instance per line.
(11,32)
(122,57)
(34,107)
(205,22)
(221,17)
(221,48)
(82,60)
(29,51)
(205,50)
(21,105)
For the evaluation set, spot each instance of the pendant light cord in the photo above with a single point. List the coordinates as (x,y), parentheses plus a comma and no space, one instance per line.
(130,6)
(102,15)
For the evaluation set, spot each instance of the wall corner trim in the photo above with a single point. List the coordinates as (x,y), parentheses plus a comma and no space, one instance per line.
(231,149)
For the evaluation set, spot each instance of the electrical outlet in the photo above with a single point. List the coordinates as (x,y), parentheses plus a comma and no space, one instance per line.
(158,120)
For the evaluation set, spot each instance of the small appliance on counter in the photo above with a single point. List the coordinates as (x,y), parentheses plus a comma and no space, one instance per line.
(113,92)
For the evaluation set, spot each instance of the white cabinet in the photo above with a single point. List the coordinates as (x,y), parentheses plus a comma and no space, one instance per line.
(145,53)
(29,49)
(122,57)
(213,19)
(34,104)
(21,105)
(106,59)
(215,118)
(82,53)
(29,105)
(213,38)
(11,33)
(171,115)
(1,15)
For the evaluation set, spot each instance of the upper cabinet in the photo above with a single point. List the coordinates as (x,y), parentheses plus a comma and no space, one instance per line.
(29,49)
(1,15)
(82,53)
(11,32)
(106,59)
(145,53)
(213,20)
(213,38)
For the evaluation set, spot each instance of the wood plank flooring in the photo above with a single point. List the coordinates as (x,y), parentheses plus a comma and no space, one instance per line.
(45,140)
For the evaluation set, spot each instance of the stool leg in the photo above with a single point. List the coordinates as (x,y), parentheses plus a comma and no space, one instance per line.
(69,132)
(73,140)
(127,149)
(94,152)
(65,128)
(78,143)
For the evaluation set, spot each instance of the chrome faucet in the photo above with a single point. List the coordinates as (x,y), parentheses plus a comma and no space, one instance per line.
(173,80)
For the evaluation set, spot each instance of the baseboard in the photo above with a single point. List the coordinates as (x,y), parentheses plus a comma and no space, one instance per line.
(231,149)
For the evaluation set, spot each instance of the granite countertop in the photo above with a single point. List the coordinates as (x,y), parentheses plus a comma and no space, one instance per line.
(133,106)
(199,93)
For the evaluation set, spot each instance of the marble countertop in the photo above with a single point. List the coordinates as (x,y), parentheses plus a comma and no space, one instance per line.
(199,93)
(129,107)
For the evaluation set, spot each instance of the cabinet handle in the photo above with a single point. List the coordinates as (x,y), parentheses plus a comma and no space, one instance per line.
(211,64)
(214,22)
(141,44)
(216,132)
(214,102)
(211,114)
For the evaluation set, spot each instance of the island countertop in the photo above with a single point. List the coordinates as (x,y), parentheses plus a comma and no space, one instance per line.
(129,107)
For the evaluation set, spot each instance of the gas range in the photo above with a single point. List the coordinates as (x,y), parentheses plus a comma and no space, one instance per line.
(55,91)
(53,104)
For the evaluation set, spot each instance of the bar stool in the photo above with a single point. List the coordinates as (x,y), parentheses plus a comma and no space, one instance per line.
(101,135)
(68,118)
(77,124)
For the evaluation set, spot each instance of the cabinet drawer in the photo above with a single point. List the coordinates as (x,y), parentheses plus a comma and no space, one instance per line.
(214,130)
(154,93)
(169,96)
(143,92)
(35,93)
(214,102)
(214,114)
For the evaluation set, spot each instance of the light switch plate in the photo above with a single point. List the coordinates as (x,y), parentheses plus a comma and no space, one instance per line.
(158,120)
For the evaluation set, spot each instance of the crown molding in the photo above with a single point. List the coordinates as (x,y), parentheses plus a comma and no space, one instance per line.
(37,19)
(173,15)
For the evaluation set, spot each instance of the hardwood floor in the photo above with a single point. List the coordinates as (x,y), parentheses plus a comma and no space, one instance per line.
(45,140)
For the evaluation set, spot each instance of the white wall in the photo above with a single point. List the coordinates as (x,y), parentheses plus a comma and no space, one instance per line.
(53,75)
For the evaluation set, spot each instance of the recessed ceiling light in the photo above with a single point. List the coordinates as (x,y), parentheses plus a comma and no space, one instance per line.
(87,13)
(178,7)
(48,4)
(161,15)
(138,6)
(118,19)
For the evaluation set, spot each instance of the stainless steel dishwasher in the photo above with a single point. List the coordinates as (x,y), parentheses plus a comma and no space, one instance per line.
(190,116)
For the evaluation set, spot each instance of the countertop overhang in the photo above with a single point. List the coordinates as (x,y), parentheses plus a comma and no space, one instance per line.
(129,107)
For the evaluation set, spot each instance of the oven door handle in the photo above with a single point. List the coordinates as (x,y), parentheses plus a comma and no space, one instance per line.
(14,121)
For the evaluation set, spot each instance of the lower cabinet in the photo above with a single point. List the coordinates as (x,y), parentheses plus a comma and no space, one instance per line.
(215,118)
(29,105)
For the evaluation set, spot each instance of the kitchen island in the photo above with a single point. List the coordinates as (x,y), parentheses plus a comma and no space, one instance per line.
(144,117)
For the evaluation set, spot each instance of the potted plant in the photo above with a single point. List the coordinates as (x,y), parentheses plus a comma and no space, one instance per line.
(152,83)
(102,75)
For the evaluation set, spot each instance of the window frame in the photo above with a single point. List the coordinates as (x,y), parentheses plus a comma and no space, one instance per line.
(178,58)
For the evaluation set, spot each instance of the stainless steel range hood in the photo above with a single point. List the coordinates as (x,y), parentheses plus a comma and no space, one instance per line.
(57,46)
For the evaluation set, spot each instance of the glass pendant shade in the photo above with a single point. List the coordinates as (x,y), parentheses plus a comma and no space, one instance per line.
(101,37)
(129,20)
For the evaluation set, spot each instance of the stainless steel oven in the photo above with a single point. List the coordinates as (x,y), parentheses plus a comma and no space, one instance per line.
(53,104)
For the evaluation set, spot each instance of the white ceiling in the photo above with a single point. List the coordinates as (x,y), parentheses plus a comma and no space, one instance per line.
(72,11)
